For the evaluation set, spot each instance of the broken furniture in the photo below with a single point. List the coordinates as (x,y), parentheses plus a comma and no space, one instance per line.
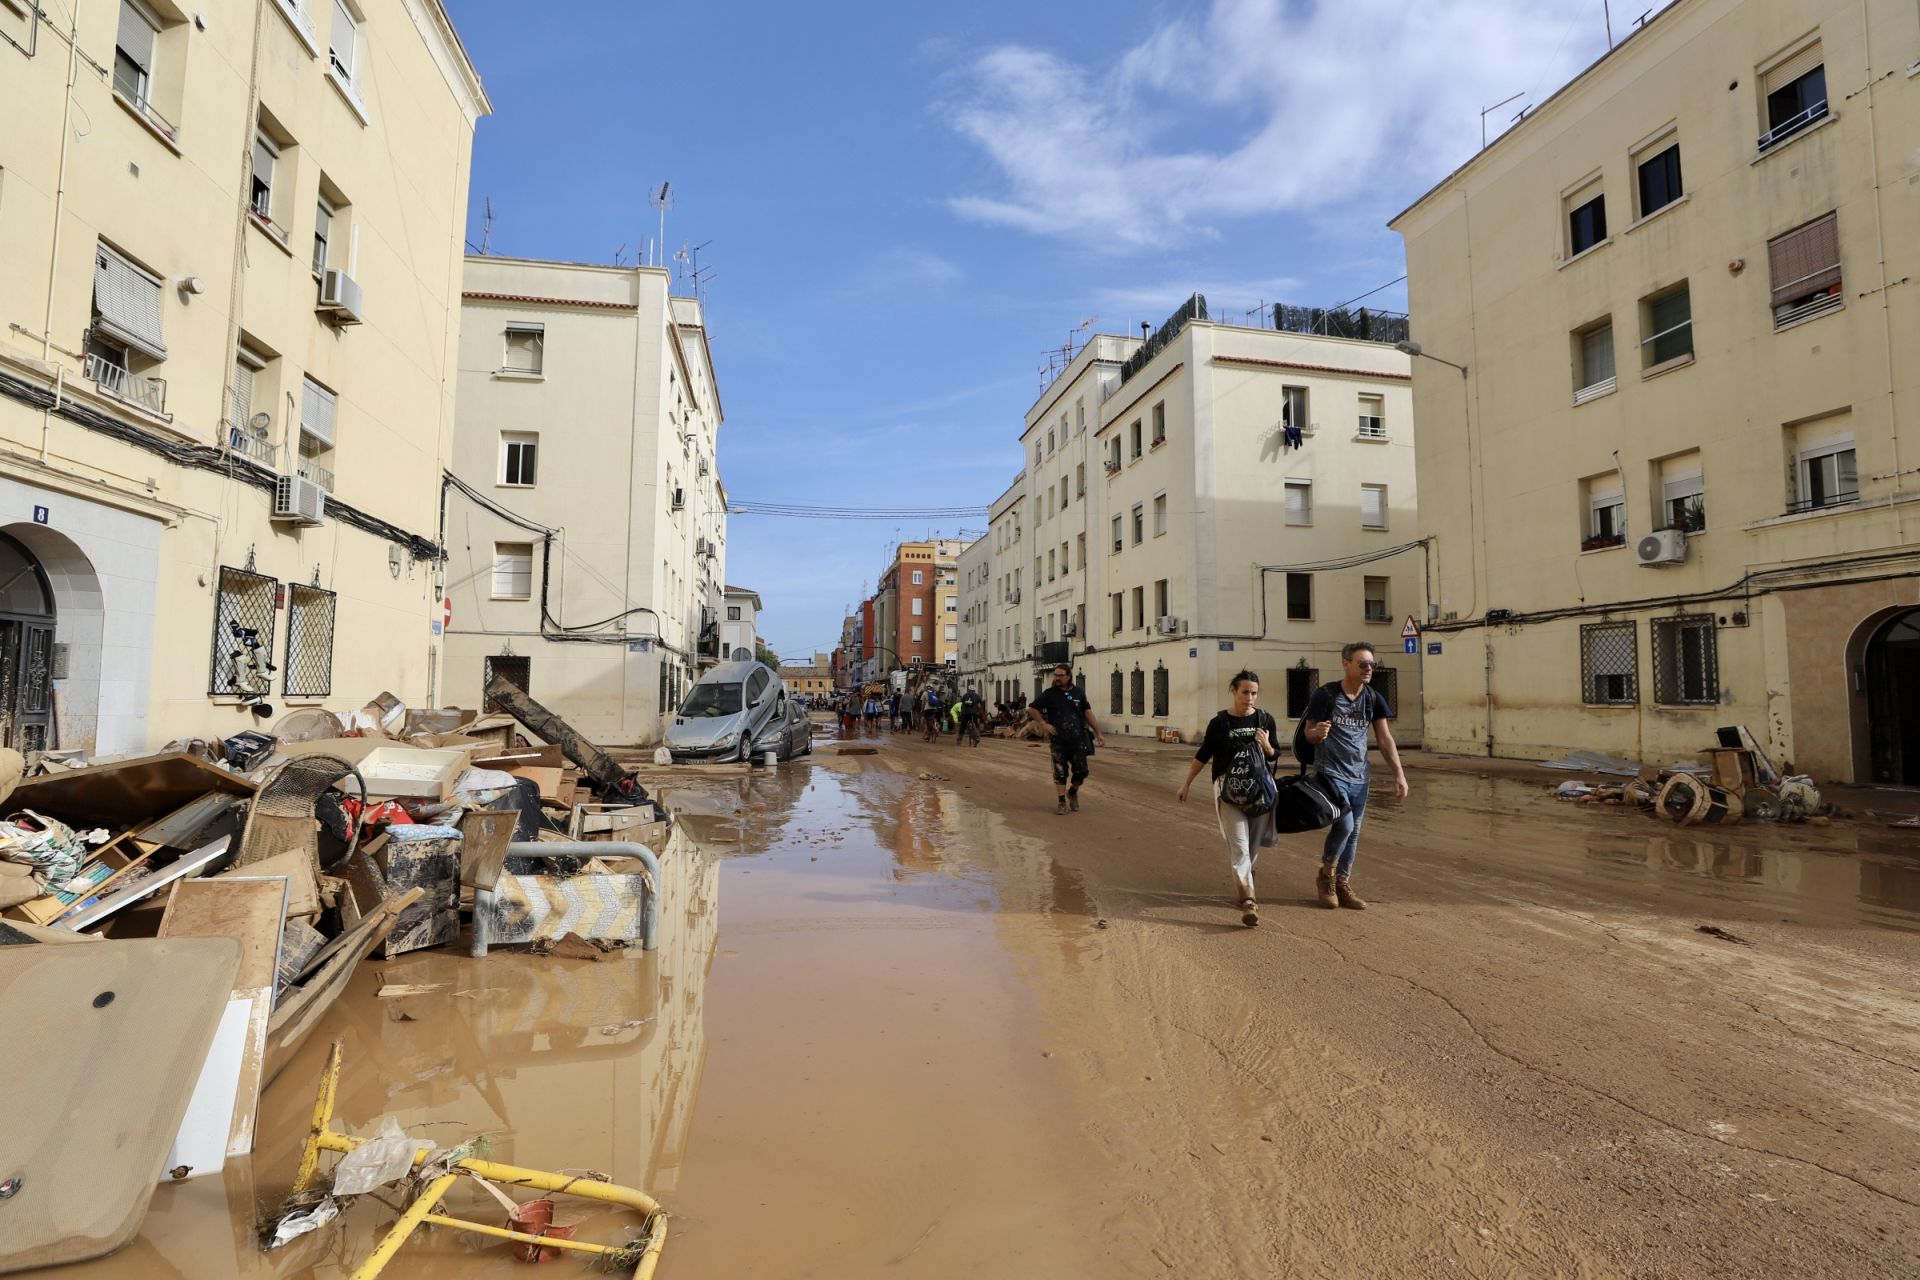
(545,908)
(117,1033)
(281,818)
(608,778)
(300,1007)
(428,859)
(640,1258)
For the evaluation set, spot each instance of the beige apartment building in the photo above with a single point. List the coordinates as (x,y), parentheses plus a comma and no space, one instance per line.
(230,245)
(587,538)
(1008,667)
(975,569)
(1175,533)
(1669,492)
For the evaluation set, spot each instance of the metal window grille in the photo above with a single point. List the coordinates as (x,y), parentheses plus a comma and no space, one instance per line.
(1301,682)
(309,661)
(1609,664)
(1386,682)
(1686,663)
(1162,693)
(1139,691)
(1117,686)
(242,649)
(517,671)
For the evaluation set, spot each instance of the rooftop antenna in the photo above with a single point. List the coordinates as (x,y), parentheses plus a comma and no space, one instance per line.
(620,255)
(1606,9)
(486,228)
(1487,111)
(661,198)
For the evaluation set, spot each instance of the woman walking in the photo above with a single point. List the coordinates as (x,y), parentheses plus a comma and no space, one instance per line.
(1239,741)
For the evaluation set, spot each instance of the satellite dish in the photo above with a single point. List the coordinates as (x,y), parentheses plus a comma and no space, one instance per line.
(260,421)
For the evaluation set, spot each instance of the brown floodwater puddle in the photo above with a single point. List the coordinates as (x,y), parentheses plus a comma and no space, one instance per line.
(841,1069)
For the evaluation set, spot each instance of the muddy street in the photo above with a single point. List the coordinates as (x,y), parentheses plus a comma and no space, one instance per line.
(906,1020)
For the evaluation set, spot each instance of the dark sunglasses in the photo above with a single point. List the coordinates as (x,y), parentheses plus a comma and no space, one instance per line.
(1367,665)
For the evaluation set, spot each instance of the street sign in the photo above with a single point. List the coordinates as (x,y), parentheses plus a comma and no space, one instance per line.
(1412,643)
(42,515)
(1433,650)
(1411,631)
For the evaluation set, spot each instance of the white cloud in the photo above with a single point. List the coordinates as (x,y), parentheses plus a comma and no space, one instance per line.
(1256,107)
(904,266)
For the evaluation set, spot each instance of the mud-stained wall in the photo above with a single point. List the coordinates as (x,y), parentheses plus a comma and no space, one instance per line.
(1827,634)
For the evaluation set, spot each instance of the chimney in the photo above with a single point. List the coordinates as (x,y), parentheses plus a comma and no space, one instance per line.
(1145,330)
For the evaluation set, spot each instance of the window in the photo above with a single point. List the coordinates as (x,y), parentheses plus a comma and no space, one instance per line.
(1159,514)
(1659,176)
(1586,220)
(1063,494)
(1609,664)
(1079,479)
(1139,522)
(1686,667)
(1113,454)
(1049,442)
(733,613)
(243,615)
(1138,688)
(1139,595)
(1376,600)
(1806,271)
(1160,422)
(1119,603)
(526,349)
(518,672)
(266,154)
(1052,572)
(1079,415)
(242,437)
(318,408)
(309,658)
(1795,91)
(343,47)
(1162,693)
(1117,688)
(133,52)
(918,635)
(953,605)
(1037,457)
(1683,502)
(1373,418)
(1606,518)
(322,232)
(953,632)
(519,451)
(1117,540)
(126,304)
(1133,433)
(1079,550)
(1301,682)
(919,578)
(1668,321)
(1299,502)
(1373,506)
(919,607)
(1593,362)
(1824,470)
(1299,596)
(1162,608)
(512,570)
(1293,408)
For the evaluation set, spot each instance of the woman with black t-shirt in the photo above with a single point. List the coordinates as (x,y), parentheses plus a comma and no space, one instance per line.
(1227,733)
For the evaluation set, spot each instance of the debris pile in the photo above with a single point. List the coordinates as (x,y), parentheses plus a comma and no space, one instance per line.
(1737,782)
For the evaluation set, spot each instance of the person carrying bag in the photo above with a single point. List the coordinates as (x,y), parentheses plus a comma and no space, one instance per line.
(1240,744)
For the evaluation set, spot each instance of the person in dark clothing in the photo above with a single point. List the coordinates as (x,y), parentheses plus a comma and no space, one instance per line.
(1065,716)
(1338,717)
(1228,733)
(972,709)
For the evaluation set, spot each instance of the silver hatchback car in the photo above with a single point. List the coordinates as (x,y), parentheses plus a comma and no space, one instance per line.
(734,710)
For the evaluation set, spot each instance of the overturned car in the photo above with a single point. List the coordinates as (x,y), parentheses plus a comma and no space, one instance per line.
(736,711)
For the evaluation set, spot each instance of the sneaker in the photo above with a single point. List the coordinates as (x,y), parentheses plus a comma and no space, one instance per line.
(1061,807)
(1249,913)
(1073,799)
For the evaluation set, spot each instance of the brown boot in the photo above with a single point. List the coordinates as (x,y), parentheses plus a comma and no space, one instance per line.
(1325,886)
(1346,894)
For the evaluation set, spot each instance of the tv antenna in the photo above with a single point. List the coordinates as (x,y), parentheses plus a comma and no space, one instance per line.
(1058,358)
(690,269)
(486,228)
(1487,111)
(661,198)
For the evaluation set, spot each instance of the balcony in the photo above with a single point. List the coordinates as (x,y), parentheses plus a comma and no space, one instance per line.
(149,394)
(1818,304)
(1602,541)
(1372,428)
(1593,391)
(1050,651)
(253,447)
(1793,124)
(313,471)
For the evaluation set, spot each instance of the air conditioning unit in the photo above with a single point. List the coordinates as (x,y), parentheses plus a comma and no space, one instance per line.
(1013,596)
(679,499)
(1662,546)
(1073,629)
(300,500)
(703,466)
(700,546)
(340,297)
(1168,626)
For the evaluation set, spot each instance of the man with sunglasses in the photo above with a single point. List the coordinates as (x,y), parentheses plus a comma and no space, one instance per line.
(1065,716)
(1338,716)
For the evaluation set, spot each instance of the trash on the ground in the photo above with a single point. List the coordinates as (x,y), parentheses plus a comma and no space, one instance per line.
(484,837)
(1687,801)
(294,1225)
(302,1005)
(393,990)
(426,858)
(1738,782)
(386,1156)
(571,946)
(1594,762)
(608,778)
(1716,931)
(1741,737)
(535,1218)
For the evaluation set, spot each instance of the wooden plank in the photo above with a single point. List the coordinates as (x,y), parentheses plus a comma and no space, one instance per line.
(118,1033)
(303,944)
(303,879)
(484,837)
(300,1012)
(190,864)
(127,793)
(252,911)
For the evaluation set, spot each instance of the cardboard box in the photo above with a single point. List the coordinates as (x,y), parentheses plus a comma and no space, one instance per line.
(408,771)
(549,780)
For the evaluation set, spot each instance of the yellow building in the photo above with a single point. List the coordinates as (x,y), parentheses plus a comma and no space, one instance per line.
(815,681)
(1668,493)
(230,246)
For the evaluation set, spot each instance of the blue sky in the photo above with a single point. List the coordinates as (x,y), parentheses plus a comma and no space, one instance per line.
(908,204)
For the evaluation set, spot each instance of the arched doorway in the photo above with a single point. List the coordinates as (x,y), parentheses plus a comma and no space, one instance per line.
(1893,700)
(26,649)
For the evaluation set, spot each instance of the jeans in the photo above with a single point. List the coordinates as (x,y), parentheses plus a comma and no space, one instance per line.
(1343,837)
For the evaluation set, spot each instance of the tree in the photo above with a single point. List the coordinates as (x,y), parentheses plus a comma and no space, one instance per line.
(766,655)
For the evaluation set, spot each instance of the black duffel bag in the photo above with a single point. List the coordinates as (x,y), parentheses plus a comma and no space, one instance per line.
(1305,803)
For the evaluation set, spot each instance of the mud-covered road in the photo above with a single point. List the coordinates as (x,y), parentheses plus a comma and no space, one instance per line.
(905,1021)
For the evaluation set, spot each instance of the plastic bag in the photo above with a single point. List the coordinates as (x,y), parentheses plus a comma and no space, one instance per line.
(295,1225)
(383,1158)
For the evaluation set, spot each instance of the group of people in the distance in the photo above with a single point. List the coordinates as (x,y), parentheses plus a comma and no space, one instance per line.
(1241,746)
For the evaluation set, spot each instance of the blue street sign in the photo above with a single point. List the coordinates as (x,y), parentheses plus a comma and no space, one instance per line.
(1433,650)
(41,515)
(1412,643)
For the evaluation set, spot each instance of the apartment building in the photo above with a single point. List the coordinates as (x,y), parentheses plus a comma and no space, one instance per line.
(1008,667)
(975,567)
(814,681)
(587,536)
(917,606)
(1668,492)
(229,285)
(739,622)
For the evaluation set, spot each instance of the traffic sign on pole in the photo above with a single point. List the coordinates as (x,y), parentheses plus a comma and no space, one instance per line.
(1411,631)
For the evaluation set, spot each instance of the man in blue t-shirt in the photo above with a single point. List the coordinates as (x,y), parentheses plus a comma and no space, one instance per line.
(1337,719)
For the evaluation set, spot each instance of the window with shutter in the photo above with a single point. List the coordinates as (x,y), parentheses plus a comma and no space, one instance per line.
(126,303)
(343,49)
(1683,503)
(1299,502)
(512,570)
(265,155)
(1806,271)
(1376,600)
(526,348)
(1795,90)
(133,51)
(1594,375)
(1373,506)
(317,410)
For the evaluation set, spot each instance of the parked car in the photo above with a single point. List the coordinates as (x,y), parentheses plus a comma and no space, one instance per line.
(730,711)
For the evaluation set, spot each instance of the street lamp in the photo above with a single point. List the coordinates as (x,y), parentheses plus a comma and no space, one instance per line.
(1408,347)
